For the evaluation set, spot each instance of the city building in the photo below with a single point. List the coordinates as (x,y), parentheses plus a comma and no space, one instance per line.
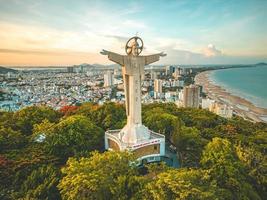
(206,103)
(177,73)
(157,88)
(153,75)
(191,96)
(108,79)
(117,72)
(221,109)
(70,69)
(171,96)
(169,70)
(183,71)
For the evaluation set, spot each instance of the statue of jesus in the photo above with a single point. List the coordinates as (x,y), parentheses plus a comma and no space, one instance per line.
(133,73)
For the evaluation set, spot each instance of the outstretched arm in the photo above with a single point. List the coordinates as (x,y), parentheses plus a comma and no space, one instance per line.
(153,58)
(117,58)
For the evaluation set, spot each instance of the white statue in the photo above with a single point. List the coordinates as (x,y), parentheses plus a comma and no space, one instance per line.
(133,72)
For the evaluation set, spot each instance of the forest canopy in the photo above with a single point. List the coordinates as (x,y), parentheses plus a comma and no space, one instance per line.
(59,154)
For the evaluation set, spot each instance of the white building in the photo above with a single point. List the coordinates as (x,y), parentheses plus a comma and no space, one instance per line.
(221,109)
(108,79)
(207,103)
(177,73)
(117,72)
(153,75)
(191,96)
(171,96)
(158,88)
(169,70)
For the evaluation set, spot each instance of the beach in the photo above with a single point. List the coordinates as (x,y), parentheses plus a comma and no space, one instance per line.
(241,106)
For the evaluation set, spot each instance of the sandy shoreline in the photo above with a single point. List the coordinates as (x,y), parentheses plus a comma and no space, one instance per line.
(241,106)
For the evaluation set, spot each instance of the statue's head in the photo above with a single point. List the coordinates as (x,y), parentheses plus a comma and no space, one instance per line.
(134,46)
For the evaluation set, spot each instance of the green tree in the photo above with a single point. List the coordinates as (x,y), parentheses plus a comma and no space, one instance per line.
(18,164)
(107,116)
(42,130)
(155,168)
(161,122)
(27,117)
(6,119)
(256,167)
(87,109)
(182,184)
(41,184)
(10,139)
(259,141)
(189,144)
(5,177)
(110,116)
(74,136)
(220,159)
(199,118)
(110,175)
(170,108)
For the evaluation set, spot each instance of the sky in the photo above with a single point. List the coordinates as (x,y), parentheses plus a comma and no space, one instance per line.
(59,33)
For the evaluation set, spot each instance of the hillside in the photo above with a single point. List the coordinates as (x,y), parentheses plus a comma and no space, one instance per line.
(4,70)
(49,154)
(262,63)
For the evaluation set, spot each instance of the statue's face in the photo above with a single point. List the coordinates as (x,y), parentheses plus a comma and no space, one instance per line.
(134,46)
(135,49)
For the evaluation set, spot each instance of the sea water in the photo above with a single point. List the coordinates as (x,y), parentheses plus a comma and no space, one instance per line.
(249,83)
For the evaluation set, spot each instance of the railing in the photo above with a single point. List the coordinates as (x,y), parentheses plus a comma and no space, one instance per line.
(110,134)
(115,135)
(156,134)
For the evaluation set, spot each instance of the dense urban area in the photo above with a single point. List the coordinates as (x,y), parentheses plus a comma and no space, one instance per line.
(87,83)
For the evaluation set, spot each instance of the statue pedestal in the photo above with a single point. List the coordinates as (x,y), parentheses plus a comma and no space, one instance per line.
(135,133)
(148,146)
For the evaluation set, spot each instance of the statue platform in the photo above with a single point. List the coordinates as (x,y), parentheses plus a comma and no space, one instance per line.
(146,150)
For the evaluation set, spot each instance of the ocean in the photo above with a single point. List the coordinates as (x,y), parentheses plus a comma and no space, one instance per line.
(249,83)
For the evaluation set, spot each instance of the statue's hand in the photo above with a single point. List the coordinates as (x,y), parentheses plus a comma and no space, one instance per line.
(162,54)
(104,52)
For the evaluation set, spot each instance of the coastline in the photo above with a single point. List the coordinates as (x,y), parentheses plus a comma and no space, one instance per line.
(241,106)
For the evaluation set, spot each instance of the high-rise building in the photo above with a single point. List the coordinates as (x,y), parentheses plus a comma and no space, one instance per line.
(157,88)
(191,96)
(158,85)
(70,69)
(206,103)
(183,71)
(81,68)
(108,79)
(221,109)
(169,70)
(153,75)
(117,72)
(177,73)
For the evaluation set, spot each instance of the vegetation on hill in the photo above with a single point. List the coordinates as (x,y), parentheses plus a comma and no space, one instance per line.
(48,154)
(4,70)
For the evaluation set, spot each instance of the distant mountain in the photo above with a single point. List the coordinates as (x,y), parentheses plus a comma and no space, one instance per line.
(4,70)
(262,63)
(112,66)
(86,65)
(99,65)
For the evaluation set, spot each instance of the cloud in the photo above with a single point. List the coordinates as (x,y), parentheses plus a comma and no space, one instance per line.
(15,51)
(211,51)
(135,24)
